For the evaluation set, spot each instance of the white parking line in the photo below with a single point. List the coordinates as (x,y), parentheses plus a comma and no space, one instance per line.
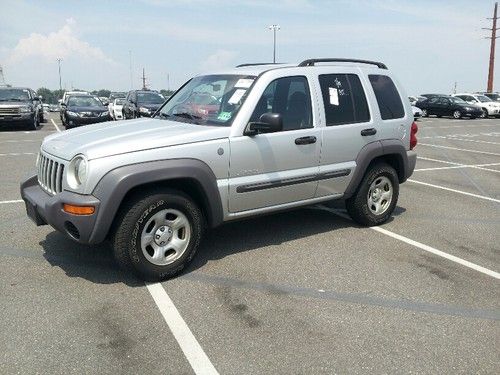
(14,201)
(20,140)
(55,125)
(427,248)
(459,149)
(18,154)
(191,348)
(455,191)
(461,126)
(456,165)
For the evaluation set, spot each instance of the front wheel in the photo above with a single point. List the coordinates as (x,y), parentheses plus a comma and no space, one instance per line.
(376,196)
(457,114)
(484,114)
(157,235)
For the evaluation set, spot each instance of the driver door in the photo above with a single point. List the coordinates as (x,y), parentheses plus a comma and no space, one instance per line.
(277,168)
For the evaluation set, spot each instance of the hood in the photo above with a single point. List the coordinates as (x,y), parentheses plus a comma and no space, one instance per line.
(88,109)
(113,138)
(14,104)
(152,107)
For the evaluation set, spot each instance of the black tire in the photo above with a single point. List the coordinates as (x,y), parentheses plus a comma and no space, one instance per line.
(457,114)
(357,205)
(130,222)
(484,114)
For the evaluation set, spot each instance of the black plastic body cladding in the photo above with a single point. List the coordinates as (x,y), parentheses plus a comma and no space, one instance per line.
(405,161)
(114,186)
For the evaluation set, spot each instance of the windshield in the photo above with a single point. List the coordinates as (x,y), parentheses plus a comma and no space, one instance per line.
(208,100)
(483,98)
(19,95)
(83,101)
(119,101)
(455,99)
(149,98)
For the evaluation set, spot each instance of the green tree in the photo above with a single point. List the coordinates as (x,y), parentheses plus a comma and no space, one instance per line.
(47,95)
(166,93)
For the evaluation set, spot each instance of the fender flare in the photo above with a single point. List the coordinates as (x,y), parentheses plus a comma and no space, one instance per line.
(373,150)
(114,186)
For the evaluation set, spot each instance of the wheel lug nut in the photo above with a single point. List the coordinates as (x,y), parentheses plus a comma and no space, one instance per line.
(162,229)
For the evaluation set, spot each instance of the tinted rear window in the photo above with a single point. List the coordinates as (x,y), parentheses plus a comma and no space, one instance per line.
(388,98)
(344,99)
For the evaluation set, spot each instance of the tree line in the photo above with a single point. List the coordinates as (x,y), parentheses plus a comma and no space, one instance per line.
(52,96)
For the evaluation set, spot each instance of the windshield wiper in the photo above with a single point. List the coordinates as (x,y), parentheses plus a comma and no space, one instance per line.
(162,115)
(187,115)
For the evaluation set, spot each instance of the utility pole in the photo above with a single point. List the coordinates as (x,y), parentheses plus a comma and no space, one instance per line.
(168,82)
(59,63)
(144,80)
(2,78)
(492,49)
(274,28)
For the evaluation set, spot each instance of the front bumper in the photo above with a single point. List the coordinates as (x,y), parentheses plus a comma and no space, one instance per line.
(79,121)
(17,119)
(44,209)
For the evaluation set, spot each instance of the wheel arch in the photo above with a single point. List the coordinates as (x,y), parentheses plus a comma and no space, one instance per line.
(189,176)
(390,151)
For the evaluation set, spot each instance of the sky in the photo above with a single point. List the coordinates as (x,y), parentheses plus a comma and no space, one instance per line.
(428,44)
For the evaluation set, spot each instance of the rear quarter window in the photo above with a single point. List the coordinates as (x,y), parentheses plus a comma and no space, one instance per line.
(388,98)
(344,99)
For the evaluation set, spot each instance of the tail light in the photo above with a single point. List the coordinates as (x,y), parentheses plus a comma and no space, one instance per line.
(413,135)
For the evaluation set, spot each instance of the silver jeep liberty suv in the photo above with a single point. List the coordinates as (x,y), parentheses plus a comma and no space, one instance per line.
(227,145)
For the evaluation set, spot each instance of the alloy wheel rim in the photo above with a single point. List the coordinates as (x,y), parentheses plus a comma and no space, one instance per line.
(456,114)
(165,237)
(380,195)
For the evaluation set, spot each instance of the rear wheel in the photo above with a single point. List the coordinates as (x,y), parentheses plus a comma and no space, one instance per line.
(157,235)
(425,113)
(376,196)
(457,114)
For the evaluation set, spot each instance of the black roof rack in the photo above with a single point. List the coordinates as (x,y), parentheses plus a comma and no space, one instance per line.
(311,62)
(256,64)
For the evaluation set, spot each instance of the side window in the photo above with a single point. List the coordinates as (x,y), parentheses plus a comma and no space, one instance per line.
(344,99)
(388,98)
(433,100)
(289,97)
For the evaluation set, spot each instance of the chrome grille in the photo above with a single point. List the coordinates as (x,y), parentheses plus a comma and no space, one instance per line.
(9,111)
(50,174)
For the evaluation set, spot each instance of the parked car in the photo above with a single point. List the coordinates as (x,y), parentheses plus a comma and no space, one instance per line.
(141,103)
(489,107)
(414,99)
(417,112)
(428,96)
(115,109)
(65,97)
(116,95)
(53,108)
(449,106)
(38,102)
(492,95)
(104,100)
(83,110)
(152,186)
(19,107)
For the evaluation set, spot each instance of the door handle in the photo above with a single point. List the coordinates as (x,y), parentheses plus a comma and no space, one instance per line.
(305,140)
(371,131)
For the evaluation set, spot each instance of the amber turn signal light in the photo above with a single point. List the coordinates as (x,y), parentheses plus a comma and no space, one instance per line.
(78,210)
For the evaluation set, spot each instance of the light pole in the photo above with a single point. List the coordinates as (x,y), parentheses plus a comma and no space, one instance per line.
(274,28)
(59,63)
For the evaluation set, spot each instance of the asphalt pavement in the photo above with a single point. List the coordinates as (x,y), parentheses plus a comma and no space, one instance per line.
(301,292)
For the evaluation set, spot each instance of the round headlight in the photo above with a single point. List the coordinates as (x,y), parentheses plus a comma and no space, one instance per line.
(77,172)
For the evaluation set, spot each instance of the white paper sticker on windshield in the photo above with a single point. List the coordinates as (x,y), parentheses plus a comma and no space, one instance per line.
(334,96)
(238,94)
(244,83)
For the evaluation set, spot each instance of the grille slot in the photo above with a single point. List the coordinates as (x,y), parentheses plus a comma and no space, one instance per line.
(9,111)
(50,174)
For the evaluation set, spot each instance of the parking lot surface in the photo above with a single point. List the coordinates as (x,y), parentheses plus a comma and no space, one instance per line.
(304,291)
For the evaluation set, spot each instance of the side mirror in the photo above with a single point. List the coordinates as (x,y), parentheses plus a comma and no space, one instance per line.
(62,104)
(268,123)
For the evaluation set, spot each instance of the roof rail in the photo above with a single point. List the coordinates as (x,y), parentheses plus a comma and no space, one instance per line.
(256,64)
(311,62)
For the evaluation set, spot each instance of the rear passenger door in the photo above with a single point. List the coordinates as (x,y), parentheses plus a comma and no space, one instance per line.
(349,126)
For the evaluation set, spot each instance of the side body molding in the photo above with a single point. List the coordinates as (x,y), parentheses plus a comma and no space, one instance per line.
(114,186)
(376,149)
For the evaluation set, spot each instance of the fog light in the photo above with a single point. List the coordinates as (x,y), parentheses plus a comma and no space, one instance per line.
(78,210)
